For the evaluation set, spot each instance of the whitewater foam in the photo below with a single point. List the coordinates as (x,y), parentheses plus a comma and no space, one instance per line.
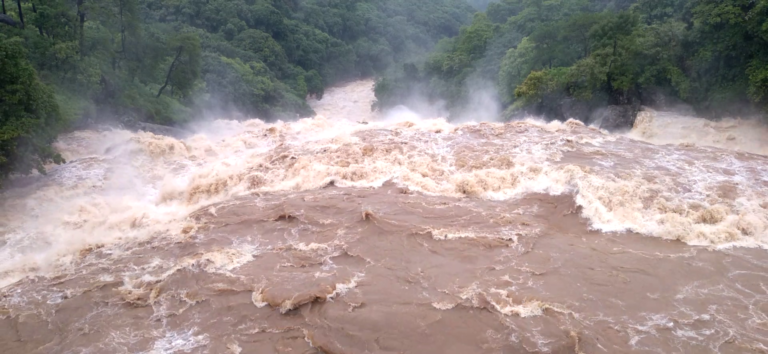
(423,235)
(124,187)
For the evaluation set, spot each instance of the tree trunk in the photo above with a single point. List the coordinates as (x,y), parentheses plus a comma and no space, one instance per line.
(170,71)
(34,11)
(4,12)
(114,62)
(81,34)
(122,30)
(612,99)
(21,14)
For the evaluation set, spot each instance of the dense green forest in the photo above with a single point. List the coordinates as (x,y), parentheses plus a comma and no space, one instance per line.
(566,58)
(66,62)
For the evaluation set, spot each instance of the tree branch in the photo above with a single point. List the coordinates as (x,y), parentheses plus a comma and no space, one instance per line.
(122,29)
(34,11)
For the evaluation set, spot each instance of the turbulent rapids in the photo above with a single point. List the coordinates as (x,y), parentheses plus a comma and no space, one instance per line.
(402,235)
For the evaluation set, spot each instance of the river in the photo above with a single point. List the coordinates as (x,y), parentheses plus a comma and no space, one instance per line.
(402,235)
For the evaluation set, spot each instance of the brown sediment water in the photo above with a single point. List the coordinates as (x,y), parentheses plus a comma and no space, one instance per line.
(398,236)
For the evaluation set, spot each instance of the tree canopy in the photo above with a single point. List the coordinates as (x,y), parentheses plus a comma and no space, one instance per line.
(710,54)
(29,114)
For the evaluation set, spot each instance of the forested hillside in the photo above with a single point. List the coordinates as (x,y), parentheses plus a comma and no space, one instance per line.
(566,58)
(166,61)
(67,63)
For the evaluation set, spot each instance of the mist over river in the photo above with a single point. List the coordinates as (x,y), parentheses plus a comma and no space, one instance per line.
(403,235)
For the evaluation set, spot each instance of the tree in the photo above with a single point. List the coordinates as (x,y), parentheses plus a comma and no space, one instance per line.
(129,22)
(473,40)
(516,65)
(81,27)
(615,50)
(729,62)
(657,11)
(185,67)
(29,115)
(314,84)
(265,47)
(21,13)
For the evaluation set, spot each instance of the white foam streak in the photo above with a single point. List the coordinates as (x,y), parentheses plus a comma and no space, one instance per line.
(179,342)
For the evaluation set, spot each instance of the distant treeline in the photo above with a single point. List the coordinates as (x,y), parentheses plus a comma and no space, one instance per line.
(164,61)
(709,54)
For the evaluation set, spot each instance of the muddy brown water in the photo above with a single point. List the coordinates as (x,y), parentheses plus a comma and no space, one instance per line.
(399,236)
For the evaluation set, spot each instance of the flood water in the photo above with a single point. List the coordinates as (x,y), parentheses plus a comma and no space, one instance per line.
(403,235)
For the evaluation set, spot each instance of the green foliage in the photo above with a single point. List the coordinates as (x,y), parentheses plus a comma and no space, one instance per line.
(29,114)
(758,80)
(249,88)
(711,54)
(314,83)
(398,87)
(516,65)
(540,84)
(145,58)
(264,47)
(453,63)
(473,40)
(185,66)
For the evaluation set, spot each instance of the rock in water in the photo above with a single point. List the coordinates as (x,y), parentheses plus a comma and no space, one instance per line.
(616,118)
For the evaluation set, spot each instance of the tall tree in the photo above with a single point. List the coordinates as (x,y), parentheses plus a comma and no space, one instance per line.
(185,67)
(29,115)
(129,21)
(81,26)
(34,11)
(21,13)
